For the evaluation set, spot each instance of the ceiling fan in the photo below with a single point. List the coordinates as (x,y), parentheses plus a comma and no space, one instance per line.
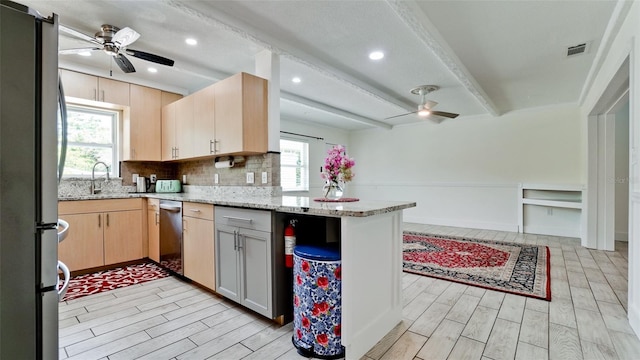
(114,41)
(424,109)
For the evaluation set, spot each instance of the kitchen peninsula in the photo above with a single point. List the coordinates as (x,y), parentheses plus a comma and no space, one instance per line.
(370,238)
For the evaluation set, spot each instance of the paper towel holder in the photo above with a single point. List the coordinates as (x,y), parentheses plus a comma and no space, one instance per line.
(227,161)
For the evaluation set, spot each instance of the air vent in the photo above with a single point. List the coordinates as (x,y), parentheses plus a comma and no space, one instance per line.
(577,49)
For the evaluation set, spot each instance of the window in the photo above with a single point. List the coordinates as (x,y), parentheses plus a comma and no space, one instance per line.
(91,138)
(294,165)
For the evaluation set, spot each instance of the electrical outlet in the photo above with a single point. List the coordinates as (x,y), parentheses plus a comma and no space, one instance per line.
(153,178)
(184,179)
(250,178)
(264,177)
(216,178)
(134,178)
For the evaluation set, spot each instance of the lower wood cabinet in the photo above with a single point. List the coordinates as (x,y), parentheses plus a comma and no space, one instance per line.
(101,232)
(153,229)
(198,243)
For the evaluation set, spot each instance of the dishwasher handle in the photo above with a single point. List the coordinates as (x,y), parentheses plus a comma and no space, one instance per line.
(170,208)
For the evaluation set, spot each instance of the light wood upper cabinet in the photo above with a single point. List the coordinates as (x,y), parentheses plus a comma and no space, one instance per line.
(204,139)
(169,132)
(226,118)
(241,115)
(94,88)
(184,128)
(113,91)
(142,130)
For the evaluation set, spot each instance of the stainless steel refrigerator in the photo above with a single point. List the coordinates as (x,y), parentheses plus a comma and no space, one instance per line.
(28,183)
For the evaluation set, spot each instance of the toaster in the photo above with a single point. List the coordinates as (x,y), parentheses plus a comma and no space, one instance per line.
(168,186)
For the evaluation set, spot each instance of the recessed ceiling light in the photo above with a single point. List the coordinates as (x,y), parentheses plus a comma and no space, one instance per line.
(85,53)
(376,55)
(191,41)
(152,70)
(296,80)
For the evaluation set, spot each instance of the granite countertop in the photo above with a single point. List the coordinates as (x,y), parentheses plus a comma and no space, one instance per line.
(286,204)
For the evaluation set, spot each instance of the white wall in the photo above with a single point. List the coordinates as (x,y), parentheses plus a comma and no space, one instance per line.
(465,171)
(626,43)
(317,150)
(622,174)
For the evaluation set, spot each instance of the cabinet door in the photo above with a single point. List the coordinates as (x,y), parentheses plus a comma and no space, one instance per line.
(184,127)
(198,251)
(241,123)
(255,250)
(82,249)
(113,91)
(142,132)
(168,131)
(122,236)
(204,122)
(79,85)
(228,114)
(153,231)
(226,263)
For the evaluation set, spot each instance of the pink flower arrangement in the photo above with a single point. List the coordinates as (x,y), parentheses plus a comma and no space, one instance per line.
(337,165)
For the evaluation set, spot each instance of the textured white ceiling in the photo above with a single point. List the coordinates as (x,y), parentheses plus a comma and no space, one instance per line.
(488,57)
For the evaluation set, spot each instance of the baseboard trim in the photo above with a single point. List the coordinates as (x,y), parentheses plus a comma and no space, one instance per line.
(622,236)
(634,319)
(462,223)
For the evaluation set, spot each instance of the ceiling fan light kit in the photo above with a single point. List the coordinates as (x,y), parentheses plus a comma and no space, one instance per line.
(425,107)
(114,41)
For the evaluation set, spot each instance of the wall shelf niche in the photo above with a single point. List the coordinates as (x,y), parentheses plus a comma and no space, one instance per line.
(551,209)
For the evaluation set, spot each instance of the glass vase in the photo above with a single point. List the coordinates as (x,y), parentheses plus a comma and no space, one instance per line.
(333,190)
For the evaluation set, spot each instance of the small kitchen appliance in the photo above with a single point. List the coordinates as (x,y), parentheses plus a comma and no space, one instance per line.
(168,186)
(141,184)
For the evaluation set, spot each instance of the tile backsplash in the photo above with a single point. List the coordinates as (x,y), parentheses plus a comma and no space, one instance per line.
(202,172)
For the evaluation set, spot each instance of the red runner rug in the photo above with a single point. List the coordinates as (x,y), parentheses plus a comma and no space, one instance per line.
(94,283)
(509,267)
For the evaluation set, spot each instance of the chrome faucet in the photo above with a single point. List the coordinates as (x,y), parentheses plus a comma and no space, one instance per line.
(93,177)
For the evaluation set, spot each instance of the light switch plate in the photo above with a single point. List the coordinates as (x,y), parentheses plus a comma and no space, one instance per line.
(264,177)
(216,178)
(250,179)
(134,178)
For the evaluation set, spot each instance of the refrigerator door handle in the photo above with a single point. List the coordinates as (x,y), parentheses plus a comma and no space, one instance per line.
(67,276)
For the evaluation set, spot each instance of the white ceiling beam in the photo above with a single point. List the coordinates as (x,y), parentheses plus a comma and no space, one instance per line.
(263,39)
(332,110)
(417,21)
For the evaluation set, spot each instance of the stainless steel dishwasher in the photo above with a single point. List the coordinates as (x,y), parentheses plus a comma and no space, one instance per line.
(171,235)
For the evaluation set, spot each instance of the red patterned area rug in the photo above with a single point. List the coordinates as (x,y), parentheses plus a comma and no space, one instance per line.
(94,283)
(509,267)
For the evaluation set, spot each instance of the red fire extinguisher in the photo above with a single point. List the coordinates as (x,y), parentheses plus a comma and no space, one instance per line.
(289,243)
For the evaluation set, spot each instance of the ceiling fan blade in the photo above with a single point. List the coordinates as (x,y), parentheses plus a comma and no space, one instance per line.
(393,117)
(150,57)
(79,35)
(124,63)
(76,51)
(445,114)
(125,36)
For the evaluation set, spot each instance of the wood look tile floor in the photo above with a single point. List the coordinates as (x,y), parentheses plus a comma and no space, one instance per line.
(171,319)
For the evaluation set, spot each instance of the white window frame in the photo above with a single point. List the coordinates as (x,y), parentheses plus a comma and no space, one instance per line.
(115,120)
(303,167)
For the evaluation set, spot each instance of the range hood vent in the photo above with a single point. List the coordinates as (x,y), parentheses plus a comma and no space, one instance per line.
(576,49)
